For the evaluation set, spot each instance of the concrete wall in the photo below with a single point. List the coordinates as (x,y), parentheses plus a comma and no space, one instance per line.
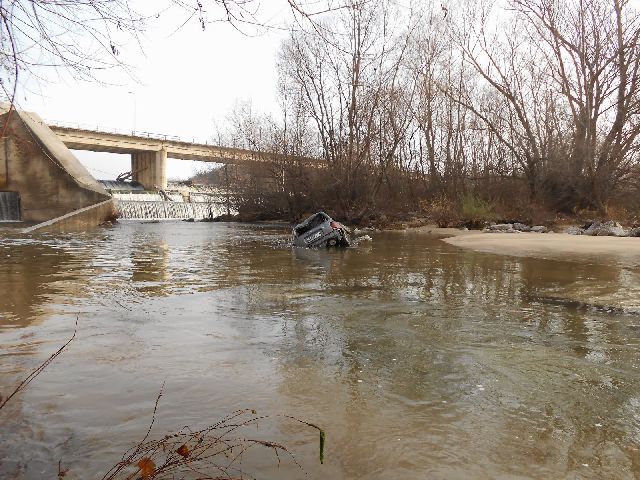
(50,179)
(77,220)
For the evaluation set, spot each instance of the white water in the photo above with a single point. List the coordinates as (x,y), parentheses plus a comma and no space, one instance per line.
(9,207)
(151,205)
(169,210)
(206,198)
(176,197)
(138,196)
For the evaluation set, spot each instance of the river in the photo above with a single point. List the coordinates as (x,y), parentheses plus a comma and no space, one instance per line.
(418,359)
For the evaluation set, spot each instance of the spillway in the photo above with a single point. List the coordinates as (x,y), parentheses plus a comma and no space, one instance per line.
(9,207)
(161,210)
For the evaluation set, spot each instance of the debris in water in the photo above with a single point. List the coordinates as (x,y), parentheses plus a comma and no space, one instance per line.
(362,239)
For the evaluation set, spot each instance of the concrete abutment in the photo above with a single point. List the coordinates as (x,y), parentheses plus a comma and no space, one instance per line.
(40,178)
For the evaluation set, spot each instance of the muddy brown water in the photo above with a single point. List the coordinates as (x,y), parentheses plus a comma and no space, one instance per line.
(419,359)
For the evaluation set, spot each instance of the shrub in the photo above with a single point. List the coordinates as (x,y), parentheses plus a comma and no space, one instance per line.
(441,210)
(476,212)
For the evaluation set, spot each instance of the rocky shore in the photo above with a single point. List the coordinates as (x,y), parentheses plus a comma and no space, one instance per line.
(590,229)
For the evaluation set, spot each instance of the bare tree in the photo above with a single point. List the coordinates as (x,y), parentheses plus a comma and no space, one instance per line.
(76,36)
(509,97)
(351,79)
(592,49)
(85,37)
(440,116)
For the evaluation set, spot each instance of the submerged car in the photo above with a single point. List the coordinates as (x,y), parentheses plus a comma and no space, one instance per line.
(320,230)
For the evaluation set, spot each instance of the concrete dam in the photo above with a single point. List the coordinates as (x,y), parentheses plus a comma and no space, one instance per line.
(44,187)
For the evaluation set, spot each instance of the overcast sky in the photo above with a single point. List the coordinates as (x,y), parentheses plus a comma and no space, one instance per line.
(187,81)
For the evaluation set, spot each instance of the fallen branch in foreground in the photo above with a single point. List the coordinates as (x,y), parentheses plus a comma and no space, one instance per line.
(211,453)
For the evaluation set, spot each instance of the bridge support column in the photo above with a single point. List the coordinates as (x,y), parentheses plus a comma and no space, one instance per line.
(150,169)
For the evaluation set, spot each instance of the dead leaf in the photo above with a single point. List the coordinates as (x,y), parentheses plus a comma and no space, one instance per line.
(254,412)
(183,451)
(147,468)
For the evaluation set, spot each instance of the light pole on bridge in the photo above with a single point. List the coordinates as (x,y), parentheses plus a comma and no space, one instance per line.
(135,111)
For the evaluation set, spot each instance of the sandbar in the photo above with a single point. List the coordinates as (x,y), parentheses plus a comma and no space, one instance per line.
(623,251)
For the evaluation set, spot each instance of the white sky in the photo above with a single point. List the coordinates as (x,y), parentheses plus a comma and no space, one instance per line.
(187,82)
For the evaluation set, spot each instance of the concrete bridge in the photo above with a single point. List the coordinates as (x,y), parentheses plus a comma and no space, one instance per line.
(43,183)
(149,152)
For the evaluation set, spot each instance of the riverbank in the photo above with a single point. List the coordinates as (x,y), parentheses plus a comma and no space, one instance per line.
(598,250)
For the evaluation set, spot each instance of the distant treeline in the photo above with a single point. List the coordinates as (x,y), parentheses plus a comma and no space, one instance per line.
(517,109)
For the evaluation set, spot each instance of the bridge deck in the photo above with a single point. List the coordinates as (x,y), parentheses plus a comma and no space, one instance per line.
(79,139)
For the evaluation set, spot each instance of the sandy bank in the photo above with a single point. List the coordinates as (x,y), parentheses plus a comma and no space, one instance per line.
(598,250)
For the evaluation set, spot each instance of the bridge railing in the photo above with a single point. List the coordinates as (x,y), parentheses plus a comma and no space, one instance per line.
(132,133)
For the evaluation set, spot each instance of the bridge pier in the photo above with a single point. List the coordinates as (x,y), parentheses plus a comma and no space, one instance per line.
(150,169)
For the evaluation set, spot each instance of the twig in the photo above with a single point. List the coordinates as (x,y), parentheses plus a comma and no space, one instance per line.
(39,370)
(322,435)
(210,453)
(129,456)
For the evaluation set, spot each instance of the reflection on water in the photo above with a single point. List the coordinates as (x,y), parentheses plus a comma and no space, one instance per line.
(419,359)
(149,268)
